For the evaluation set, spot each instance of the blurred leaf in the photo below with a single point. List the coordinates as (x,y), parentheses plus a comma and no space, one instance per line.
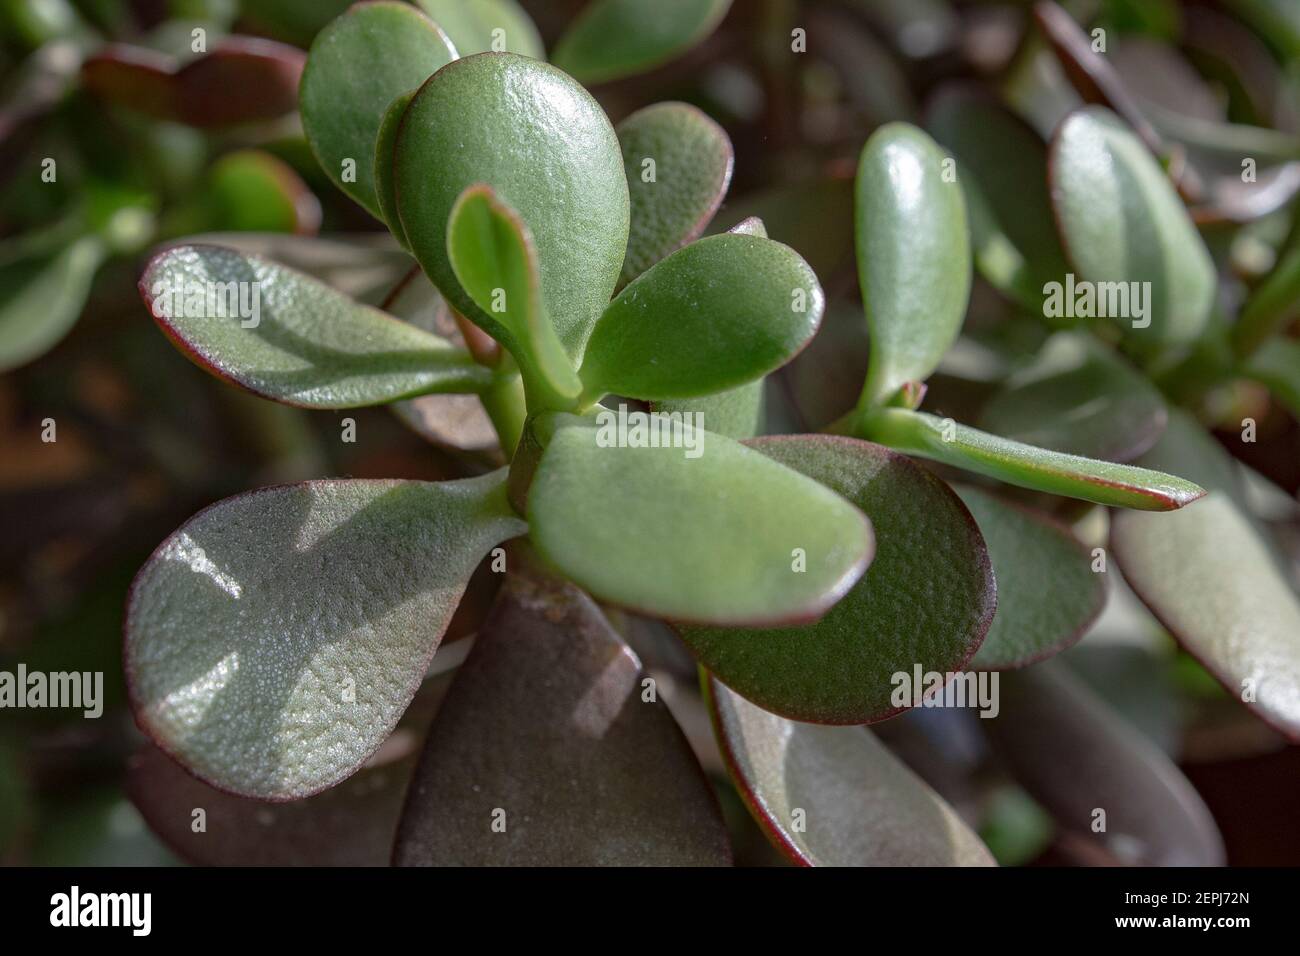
(736,413)
(856,803)
(813,217)
(1079,397)
(253,191)
(641,527)
(1048,594)
(1123,223)
(242,80)
(1274,304)
(358,65)
(1103,482)
(914,259)
(41,298)
(470,117)
(716,314)
(679,164)
(1007,162)
(1211,578)
(1077,757)
(927,598)
(472,26)
(567,766)
(294,21)
(273,641)
(495,261)
(1277,365)
(283,335)
(616,38)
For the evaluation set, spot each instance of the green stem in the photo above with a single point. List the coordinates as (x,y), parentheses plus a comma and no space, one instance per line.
(504,403)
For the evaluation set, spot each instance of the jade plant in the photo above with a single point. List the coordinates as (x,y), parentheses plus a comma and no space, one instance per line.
(565,276)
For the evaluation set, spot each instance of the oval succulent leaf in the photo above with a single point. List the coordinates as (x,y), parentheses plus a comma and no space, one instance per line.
(679,164)
(361,62)
(495,261)
(572,781)
(1127,233)
(385,146)
(480,26)
(914,259)
(287,337)
(863,806)
(708,531)
(242,80)
(1103,482)
(1212,579)
(717,314)
(41,298)
(1074,754)
(547,150)
(273,641)
(1048,593)
(927,599)
(617,38)
(1079,397)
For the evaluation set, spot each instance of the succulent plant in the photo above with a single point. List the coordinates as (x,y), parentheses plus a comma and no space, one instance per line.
(564,304)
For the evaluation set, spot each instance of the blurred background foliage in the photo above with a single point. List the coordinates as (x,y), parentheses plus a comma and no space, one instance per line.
(153,139)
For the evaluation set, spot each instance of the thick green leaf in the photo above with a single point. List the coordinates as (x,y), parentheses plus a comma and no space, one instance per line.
(1079,397)
(385,147)
(1048,593)
(273,641)
(679,164)
(287,337)
(495,261)
(358,65)
(710,532)
(40,299)
(1122,222)
(927,599)
(835,796)
(548,151)
(1277,365)
(719,313)
(547,723)
(616,38)
(251,190)
(914,259)
(473,26)
(737,413)
(1076,756)
(1008,162)
(1104,482)
(1212,579)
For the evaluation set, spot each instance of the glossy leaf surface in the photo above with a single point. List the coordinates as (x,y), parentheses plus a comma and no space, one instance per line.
(285,336)
(679,164)
(477,26)
(914,259)
(928,597)
(273,641)
(547,150)
(717,314)
(358,65)
(643,527)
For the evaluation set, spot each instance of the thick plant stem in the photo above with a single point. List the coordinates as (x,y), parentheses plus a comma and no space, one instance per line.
(504,403)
